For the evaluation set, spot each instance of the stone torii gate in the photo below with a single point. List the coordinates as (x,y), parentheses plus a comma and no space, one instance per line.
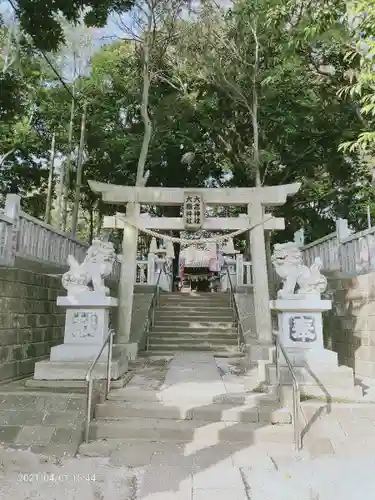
(256,200)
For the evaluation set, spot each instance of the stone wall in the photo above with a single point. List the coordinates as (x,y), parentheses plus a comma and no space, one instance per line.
(245,304)
(30,321)
(349,328)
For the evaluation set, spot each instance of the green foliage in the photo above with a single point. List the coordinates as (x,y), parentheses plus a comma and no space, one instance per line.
(23,147)
(201,101)
(360,83)
(39,18)
(302,120)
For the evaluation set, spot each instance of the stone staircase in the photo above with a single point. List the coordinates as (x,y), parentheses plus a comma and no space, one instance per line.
(183,400)
(193,322)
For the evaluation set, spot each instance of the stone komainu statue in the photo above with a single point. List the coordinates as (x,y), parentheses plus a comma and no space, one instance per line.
(97,265)
(287,261)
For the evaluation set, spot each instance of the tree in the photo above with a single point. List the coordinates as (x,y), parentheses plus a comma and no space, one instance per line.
(22,142)
(42,19)
(360,76)
(73,60)
(301,120)
(193,107)
(226,45)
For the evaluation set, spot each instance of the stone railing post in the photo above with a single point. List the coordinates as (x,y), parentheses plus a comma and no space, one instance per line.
(342,232)
(224,281)
(342,229)
(12,210)
(151,269)
(239,269)
(299,237)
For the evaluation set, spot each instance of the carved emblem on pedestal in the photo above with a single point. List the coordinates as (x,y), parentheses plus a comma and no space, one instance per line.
(302,328)
(84,324)
(193,211)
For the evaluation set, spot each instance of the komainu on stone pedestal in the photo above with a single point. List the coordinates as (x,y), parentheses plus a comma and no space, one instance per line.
(97,265)
(287,261)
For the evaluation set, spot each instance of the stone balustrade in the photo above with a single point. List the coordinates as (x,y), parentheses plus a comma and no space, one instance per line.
(25,239)
(41,242)
(326,248)
(343,250)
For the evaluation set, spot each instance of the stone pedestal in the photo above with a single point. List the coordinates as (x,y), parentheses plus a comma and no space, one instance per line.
(86,327)
(301,333)
(301,328)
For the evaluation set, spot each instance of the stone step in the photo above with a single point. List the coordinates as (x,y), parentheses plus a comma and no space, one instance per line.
(73,386)
(341,411)
(195,294)
(341,377)
(209,413)
(183,340)
(191,313)
(198,302)
(42,421)
(204,346)
(193,323)
(194,316)
(134,395)
(75,370)
(65,386)
(168,353)
(185,431)
(331,393)
(40,400)
(197,306)
(195,334)
(209,308)
(204,330)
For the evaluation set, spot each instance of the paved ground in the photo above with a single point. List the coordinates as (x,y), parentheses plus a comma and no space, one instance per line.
(337,461)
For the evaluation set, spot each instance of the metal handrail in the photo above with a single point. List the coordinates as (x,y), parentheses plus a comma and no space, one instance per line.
(236,314)
(153,304)
(89,380)
(296,390)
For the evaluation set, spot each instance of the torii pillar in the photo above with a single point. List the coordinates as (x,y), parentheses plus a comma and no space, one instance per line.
(256,199)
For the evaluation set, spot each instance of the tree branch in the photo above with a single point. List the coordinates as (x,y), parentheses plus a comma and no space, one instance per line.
(5,156)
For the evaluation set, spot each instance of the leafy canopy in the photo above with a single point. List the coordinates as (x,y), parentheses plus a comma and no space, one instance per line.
(39,18)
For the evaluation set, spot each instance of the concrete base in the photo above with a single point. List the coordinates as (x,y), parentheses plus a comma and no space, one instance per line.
(76,352)
(328,395)
(260,351)
(327,382)
(77,370)
(73,386)
(314,358)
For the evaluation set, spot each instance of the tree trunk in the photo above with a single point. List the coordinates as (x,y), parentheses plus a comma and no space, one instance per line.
(254,116)
(174,211)
(79,172)
(68,166)
(8,61)
(91,237)
(47,216)
(144,106)
(5,156)
(99,225)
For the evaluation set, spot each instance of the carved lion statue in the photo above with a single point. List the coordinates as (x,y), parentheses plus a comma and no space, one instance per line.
(287,261)
(97,265)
